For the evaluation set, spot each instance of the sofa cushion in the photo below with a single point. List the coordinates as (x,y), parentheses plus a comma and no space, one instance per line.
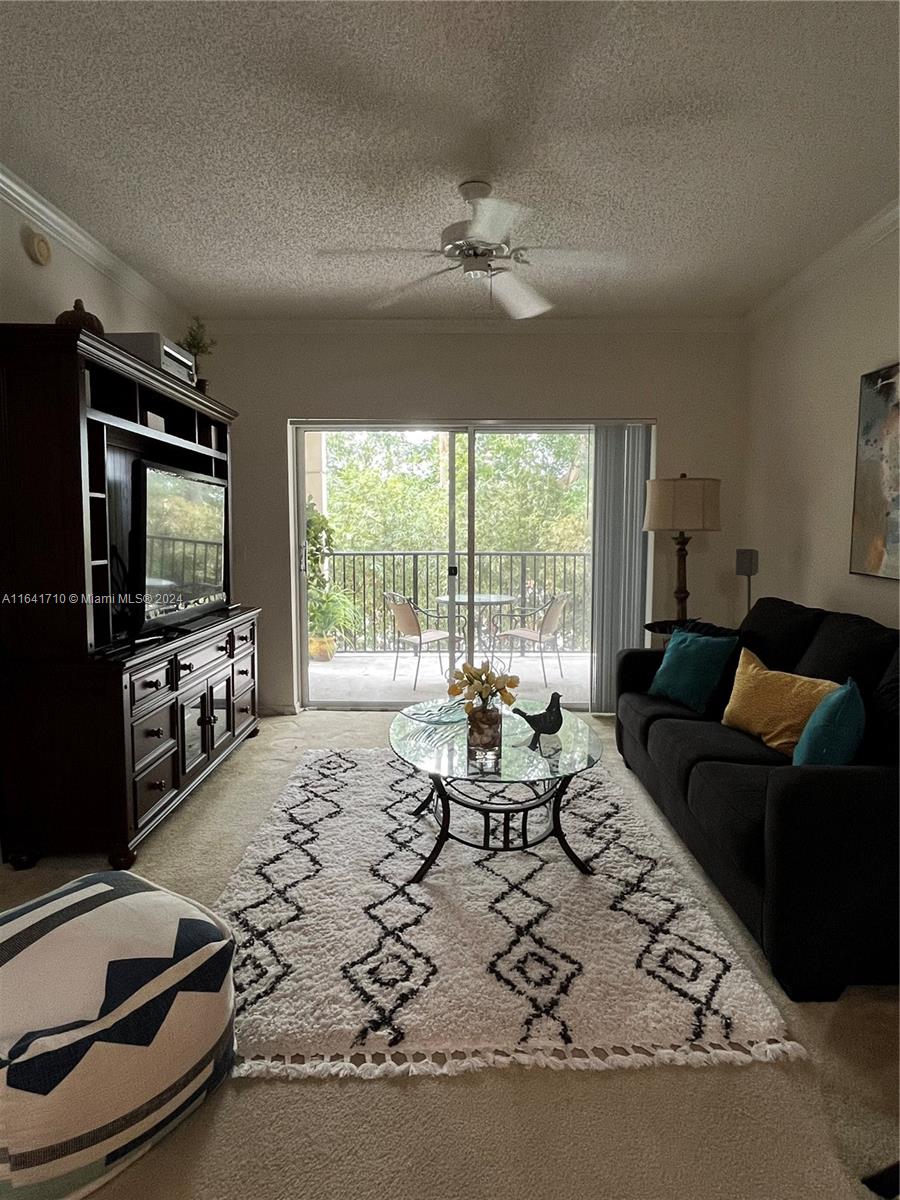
(773,705)
(833,733)
(846,646)
(728,801)
(881,741)
(691,668)
(677,746)
(778,631)
(637,712)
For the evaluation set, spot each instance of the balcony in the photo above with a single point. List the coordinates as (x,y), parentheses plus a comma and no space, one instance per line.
(363,666)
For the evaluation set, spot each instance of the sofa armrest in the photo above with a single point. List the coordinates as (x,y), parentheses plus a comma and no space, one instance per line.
(635,670)
(831,876)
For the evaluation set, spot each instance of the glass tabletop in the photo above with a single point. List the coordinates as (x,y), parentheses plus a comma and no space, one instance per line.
(479,598)
(439,747)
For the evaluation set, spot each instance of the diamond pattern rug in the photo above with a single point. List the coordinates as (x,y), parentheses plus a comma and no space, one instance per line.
(344,967)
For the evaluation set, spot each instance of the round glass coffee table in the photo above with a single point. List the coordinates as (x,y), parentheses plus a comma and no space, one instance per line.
(516,805)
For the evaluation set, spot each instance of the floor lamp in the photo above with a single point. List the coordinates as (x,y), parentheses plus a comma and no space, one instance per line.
(682,505)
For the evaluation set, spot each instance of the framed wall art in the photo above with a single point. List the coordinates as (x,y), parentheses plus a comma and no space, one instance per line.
(875,541)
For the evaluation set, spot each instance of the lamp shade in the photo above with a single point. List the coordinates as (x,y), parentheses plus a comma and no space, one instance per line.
(682,504)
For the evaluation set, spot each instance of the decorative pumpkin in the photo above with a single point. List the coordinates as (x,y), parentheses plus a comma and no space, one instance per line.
(80,318)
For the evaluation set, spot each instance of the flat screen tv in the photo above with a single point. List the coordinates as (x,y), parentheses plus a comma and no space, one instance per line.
(179,547)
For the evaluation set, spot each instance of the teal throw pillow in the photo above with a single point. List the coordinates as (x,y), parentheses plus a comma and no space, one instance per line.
(832,735)
(691,668)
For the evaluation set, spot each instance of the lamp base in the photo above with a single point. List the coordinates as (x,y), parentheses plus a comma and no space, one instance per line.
(681,540)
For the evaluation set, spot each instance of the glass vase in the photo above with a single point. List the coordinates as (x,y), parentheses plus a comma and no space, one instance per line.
(484,735)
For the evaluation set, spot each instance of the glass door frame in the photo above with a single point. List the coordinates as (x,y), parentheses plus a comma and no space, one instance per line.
(298,427)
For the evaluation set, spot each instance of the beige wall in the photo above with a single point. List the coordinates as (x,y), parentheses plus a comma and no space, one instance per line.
(31,293)
(692,383)
(806,360)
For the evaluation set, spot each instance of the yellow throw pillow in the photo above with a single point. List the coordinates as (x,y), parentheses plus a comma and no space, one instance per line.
(773,705)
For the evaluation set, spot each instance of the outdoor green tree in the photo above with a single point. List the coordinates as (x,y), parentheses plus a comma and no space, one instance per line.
(388,491)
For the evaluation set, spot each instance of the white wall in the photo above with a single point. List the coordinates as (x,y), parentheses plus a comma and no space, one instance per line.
(806,360)
(693,383)
(31,293)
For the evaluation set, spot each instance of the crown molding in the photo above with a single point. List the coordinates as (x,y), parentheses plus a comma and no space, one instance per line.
(53,222)
(832,262)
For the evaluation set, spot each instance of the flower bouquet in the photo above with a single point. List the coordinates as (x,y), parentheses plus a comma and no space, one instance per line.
(483,691)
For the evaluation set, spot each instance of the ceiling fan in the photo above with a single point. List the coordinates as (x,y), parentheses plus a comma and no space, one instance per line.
(483,249)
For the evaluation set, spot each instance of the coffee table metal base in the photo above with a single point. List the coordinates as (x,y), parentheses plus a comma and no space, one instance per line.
(442,795)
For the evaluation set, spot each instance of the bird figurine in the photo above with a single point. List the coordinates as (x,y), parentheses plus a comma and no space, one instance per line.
(548,721)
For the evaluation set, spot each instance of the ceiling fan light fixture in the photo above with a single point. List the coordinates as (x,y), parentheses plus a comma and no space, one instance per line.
(476,268)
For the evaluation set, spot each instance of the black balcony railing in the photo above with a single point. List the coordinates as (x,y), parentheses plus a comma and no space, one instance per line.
(530,578)
(185,560)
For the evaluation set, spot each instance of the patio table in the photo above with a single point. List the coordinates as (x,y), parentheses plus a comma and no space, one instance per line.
(483,602)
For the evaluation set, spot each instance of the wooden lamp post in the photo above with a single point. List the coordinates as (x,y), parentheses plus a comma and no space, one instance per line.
(682,505)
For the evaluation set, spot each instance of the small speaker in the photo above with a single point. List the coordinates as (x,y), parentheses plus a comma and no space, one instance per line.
(746,562)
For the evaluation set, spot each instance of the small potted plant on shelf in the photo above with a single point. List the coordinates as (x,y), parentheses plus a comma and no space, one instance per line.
(330,611)
(483,692)
(197,342)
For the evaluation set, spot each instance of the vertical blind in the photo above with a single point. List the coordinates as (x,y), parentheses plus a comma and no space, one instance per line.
(622,467)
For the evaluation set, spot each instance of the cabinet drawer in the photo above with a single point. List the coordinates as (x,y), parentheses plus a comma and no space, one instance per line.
(153,681)
(244,711)
(192,662)
(244,673)
(152,735)
(154,788)
(244,636)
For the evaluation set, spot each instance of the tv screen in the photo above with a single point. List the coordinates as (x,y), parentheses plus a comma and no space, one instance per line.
(184,559)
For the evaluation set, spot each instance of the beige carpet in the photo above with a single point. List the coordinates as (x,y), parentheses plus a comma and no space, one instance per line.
(798,1131)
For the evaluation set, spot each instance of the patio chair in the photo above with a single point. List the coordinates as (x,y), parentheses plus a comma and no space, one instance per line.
(408,628)
(546,630)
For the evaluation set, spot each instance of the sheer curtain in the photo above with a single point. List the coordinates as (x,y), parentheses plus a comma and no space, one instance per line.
(622,456)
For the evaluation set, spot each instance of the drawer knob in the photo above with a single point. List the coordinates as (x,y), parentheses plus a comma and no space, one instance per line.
(244,671)
(158,785)
(244,637)
(222,649)
(244,708)
(153,683)
(186,666)
(157,732)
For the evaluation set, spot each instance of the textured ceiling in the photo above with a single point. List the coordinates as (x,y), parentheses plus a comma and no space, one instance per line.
(703,151)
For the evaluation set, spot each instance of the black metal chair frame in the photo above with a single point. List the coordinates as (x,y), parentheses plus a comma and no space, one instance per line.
(516,615)
(399,598)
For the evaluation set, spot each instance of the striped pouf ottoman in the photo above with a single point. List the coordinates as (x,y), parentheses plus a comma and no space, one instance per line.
(116,1020)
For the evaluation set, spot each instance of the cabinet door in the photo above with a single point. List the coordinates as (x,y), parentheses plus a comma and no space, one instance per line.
(193,738)
(221,712)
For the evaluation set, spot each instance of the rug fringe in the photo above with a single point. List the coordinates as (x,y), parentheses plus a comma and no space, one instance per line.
(459,1062)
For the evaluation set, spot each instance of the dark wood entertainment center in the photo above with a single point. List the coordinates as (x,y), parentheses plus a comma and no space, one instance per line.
(104,734)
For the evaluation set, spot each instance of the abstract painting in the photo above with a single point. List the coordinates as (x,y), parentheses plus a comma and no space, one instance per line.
(875,545)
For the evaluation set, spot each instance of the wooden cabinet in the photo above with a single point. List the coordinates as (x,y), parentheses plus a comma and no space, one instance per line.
(123,755)
(102,736)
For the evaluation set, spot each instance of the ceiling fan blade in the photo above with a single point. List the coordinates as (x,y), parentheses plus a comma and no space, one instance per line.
(493,219)
(390,297)
(519,298)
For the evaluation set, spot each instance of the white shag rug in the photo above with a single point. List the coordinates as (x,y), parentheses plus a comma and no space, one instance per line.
(345,968)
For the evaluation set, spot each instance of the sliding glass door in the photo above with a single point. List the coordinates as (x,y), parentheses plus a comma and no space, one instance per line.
(377,571)
(420,547)
(533,572)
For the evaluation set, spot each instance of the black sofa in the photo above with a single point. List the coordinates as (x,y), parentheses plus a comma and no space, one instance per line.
(806,856)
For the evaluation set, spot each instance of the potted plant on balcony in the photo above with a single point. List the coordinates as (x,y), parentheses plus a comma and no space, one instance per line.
(330,611)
